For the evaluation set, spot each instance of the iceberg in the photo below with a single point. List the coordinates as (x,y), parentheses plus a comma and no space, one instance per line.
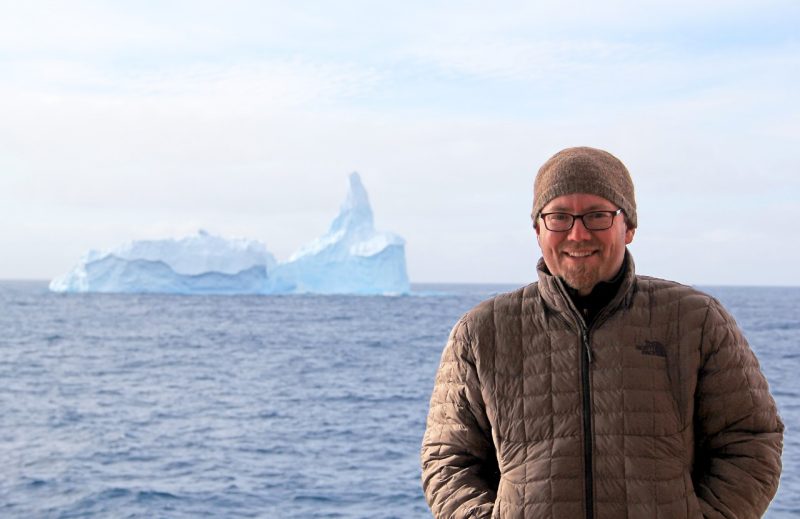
(203,264)
(350,258)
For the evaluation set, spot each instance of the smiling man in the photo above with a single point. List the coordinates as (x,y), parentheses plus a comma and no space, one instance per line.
(596,392)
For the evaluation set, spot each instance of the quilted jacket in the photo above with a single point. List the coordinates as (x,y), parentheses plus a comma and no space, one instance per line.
(658,411)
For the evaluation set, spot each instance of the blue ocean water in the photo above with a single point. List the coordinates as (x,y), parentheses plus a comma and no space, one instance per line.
(253,406)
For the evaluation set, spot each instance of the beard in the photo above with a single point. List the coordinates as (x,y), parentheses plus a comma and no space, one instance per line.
(581,277)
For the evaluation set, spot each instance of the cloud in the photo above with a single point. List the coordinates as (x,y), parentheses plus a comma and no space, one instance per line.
(275,84)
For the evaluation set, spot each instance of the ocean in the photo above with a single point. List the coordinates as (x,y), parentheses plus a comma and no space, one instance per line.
(260,406)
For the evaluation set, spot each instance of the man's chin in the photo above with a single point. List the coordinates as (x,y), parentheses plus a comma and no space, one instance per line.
(583,282)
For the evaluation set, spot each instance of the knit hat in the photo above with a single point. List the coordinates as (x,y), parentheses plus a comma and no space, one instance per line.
(585,170)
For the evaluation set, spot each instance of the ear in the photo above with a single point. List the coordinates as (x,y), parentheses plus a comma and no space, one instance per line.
(536,228)
(629,232)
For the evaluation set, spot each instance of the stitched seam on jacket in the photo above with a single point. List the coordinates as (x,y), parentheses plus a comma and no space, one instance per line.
(551,385)
(495,402)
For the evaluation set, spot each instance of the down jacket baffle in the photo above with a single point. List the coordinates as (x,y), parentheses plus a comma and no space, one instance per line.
(659,411)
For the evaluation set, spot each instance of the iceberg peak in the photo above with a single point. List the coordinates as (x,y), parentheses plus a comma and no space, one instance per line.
(352,257)
(355,212)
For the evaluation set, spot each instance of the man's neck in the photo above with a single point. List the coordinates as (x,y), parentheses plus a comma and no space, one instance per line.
(601,294)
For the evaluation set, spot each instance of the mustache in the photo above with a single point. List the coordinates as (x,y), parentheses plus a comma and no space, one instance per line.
(578,245)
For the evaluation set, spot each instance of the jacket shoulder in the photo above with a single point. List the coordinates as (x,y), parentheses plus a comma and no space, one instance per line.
(665,292)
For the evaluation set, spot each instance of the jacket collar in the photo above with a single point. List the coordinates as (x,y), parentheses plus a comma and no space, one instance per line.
(554,291)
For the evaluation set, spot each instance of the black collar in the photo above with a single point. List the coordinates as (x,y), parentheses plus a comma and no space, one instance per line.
(602,294)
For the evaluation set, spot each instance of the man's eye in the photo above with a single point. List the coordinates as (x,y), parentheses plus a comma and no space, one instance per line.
(597,216)
(558,217)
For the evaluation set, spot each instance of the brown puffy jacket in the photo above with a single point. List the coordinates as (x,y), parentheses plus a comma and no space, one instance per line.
(659,411)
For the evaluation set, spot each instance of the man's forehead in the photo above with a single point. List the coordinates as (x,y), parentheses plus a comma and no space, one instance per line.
(580,202)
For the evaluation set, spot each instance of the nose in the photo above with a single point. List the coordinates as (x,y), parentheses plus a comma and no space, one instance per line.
(579,232)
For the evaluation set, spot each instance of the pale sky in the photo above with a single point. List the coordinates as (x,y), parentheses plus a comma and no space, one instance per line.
(129,120)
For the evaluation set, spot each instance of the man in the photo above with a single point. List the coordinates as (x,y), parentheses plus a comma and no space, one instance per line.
(598,393)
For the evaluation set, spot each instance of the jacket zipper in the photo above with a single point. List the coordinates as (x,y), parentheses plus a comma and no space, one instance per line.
(588,479)
(586,405)
(586,361)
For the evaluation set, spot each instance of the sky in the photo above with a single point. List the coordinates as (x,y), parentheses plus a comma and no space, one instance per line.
(152,119)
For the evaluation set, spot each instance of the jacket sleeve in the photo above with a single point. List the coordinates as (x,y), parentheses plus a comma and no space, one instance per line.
(738,433)
(458,456)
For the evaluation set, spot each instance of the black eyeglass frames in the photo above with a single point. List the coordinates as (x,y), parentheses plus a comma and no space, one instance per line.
(593,220)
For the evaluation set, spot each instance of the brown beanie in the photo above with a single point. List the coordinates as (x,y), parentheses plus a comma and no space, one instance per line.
(585,170)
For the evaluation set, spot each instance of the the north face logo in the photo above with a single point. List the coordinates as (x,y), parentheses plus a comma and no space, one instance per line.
(652,348)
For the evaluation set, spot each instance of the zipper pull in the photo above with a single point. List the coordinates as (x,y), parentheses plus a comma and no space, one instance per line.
(586,346)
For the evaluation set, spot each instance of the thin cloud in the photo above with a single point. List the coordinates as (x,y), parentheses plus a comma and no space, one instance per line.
(245,118)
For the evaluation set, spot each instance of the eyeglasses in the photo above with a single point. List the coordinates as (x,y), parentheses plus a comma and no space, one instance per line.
(593,221)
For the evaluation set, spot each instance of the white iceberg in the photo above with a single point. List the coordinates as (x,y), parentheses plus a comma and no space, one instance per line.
(201,263)
(351,258)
